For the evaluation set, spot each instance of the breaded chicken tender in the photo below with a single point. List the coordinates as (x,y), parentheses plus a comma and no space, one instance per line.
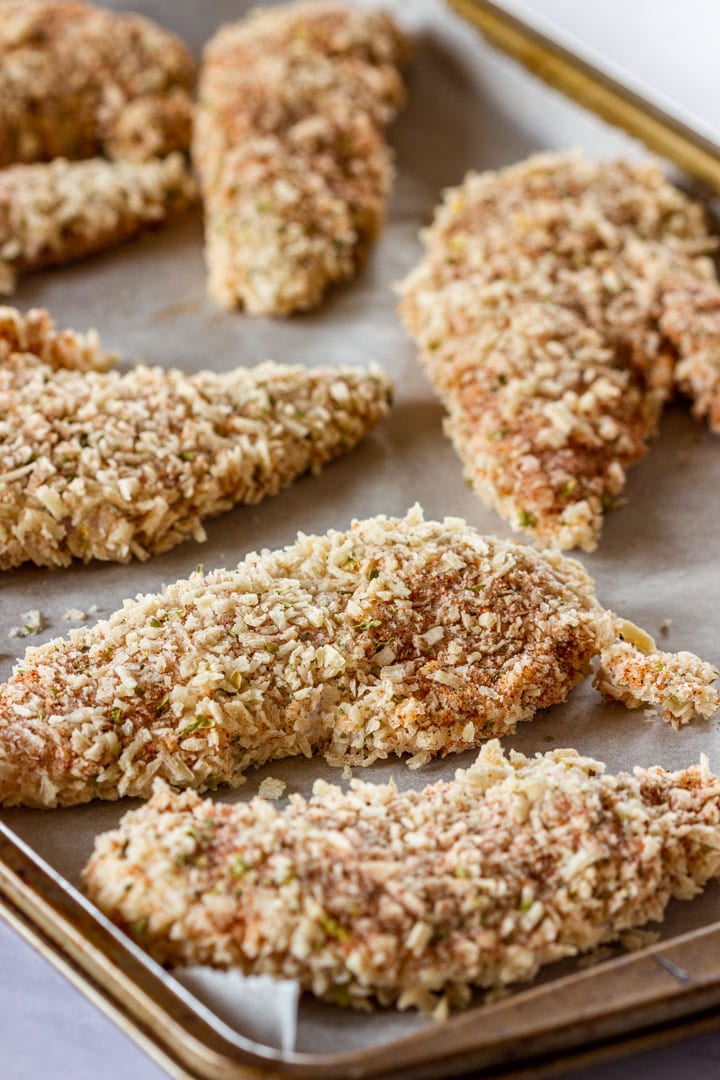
(550,307)
(289,145)
(401,896)
(65,210)
(399,636)
(77,81)
(103,465)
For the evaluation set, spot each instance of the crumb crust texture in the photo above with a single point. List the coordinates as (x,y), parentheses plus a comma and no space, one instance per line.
(399,636)
(61,211)
(415,897)
(556,306)
(103,465)
(77,81)
(290,148)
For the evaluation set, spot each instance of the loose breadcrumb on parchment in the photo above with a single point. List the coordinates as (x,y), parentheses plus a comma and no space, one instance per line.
(399,636)
(74,615)
(272,788)
(550,306)
(412,898)
(32,622)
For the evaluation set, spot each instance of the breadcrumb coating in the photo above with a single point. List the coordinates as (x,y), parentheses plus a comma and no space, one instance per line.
(34,332)
(65,210)
(691,321)
(400,897)
(289,145)
(78,80)
(680,683)
(399,636)
(543,308)
(103,465)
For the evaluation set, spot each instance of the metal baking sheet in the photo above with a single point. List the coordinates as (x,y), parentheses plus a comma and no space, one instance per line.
(679,88)
(660,555)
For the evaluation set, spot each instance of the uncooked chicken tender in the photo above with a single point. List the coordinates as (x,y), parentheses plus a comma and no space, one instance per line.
(399,636)
(289,144)
(551,306)
(413,897)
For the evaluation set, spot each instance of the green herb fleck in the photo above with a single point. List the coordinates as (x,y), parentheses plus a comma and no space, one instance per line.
(116,715)
(200,723)
(238,868)
(526,520)
(368,624)
(333,929)
(374,573)
(271,646)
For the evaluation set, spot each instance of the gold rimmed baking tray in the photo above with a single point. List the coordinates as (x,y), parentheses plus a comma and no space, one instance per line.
(594,88)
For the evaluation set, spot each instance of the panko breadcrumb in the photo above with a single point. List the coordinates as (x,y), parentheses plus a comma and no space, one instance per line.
(32,622)
(65,210)
(550,306)
(272,788)
(103,465)
(78,80)
(399,636)
(403,896)
(74,615)
(691,321)
(290,149)
(34,332)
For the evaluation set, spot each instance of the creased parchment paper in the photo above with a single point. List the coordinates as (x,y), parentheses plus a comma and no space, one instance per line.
(660,555)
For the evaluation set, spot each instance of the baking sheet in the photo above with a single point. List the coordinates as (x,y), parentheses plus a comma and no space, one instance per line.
(660,555)
(680,87)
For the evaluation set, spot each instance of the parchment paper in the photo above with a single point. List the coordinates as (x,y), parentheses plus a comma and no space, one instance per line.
(660,555)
